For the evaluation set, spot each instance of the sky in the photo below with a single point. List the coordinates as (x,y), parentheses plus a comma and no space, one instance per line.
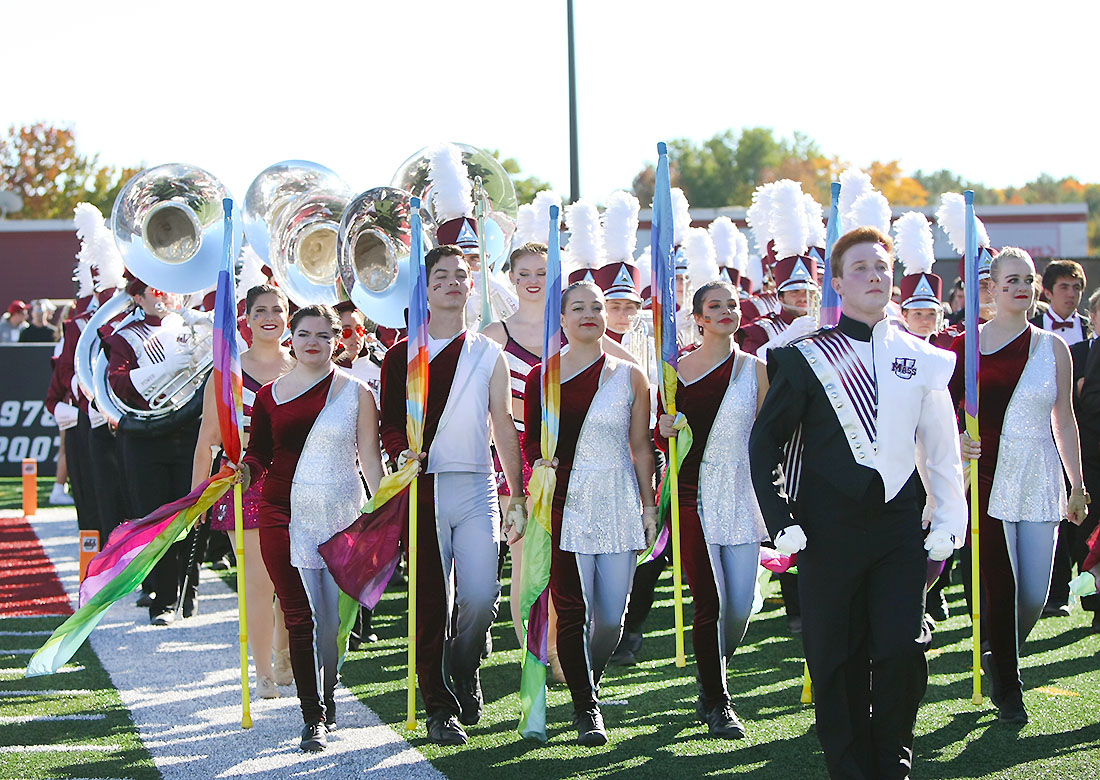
(996,94)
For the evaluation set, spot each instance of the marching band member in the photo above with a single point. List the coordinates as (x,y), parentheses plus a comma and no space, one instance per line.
(951,216)
(363,354)
(309,427)
(1028,436)
(603,506)
(760,298)
(862,565)
(719,389)
(1063,286)
(921,289)
(468,396)
(266,360)
(144,354)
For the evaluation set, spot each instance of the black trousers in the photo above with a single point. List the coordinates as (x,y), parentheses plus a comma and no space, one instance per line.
(78,457)
(861,581)
(110,480)
(160,472)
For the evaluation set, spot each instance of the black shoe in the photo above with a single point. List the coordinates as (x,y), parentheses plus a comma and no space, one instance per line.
(722,722)
(623,655)
(145,600)
(700,709)
(330,714)
(190,607)
(1011,710)
(1096,622)
(470,699)
(590,729)
(443,729)
(221,564)
(161,618)
(1056,610)
(990,673)
(314,738)
(937,608)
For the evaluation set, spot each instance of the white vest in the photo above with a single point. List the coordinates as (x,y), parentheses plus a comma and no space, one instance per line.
(462,440)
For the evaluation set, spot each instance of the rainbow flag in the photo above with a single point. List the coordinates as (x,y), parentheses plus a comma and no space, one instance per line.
(228,383)
(363,556)
(538,544)
(830,299)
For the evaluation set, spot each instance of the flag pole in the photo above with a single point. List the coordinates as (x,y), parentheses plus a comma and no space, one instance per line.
(410,682)
(971,415)
(242,615)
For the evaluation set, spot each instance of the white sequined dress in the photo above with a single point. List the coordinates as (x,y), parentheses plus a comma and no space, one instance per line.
(1028,485)
(327,493)
(603,508)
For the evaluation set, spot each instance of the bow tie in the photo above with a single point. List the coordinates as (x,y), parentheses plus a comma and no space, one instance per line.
(1063,325)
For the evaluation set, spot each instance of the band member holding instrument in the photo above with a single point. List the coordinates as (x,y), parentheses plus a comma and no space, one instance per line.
(862,559)
(309,428)
(457,545)
(721,527)
(603,507)
(145,355)
(266,310)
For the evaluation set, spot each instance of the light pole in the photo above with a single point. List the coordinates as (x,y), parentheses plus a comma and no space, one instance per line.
(574,162)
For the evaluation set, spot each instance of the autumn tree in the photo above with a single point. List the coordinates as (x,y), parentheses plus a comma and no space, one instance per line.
(42,164)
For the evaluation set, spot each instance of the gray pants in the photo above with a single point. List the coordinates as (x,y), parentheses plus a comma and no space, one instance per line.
(735,567)
(1031,551)
(324,603)
(605,585)
(467,523)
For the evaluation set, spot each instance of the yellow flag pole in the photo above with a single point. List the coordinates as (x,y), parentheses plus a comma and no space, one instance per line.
(677,574)
(410,714)
(807,685)
(242,615)
(975,571)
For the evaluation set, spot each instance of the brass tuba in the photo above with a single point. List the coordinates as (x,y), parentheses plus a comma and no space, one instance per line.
(292,213)
(168,223)
(373,248)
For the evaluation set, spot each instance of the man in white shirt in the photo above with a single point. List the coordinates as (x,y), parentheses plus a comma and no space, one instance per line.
(1063,286)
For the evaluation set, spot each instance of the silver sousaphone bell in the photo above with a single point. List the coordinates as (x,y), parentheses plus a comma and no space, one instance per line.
(373,250)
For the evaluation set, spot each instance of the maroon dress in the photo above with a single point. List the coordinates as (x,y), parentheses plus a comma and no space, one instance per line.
(221,514)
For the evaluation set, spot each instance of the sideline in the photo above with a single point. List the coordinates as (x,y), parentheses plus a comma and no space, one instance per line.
(181,686)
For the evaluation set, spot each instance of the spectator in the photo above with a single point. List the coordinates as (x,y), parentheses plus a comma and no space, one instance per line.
(13,322)
(40,331)
(957,302)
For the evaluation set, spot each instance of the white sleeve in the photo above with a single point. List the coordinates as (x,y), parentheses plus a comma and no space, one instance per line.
(939,440)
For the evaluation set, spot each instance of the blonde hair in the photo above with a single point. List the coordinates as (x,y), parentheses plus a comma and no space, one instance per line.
(1009,252)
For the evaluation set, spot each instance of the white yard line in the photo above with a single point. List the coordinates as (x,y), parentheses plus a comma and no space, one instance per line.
(25,633)
(181,684)
(60,748)
(48,718)
(54,692)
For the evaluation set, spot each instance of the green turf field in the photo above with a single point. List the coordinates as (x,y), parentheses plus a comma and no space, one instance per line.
(11,492)
(649,709)
(110,746)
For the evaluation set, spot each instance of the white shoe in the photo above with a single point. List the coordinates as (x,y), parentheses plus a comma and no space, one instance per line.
(59,496)
(266,688)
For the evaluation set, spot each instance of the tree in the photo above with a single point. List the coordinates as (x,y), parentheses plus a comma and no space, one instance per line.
(525,187)
(900,190)
(42,164)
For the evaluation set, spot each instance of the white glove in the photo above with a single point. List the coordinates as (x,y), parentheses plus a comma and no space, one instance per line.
(790,540)
(193,317)
(649,523)
(515,518)
(66,415)
(802,326)
(939,545)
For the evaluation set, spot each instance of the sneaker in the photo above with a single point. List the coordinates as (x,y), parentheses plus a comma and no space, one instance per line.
(470,699)
(162,618)
(266,688)
(1056,610)
(59,496)
(590,728)
(722,722)
(994,685)
(443,729)
(314,738)
(937,608)
(284,674)
(1011,710)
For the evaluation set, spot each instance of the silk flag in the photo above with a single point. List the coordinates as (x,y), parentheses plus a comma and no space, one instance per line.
(830,298)
(537,543)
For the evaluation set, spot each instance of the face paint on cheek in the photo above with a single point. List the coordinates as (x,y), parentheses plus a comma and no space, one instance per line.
(1004,289)
(437,286)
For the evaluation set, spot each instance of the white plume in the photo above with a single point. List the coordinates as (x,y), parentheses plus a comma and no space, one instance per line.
(759,216)
(585,247)
(702,261)
(951,216)
(913,243)
(870,209)
(755,272)
(97,250)
(741,255)
(525,225)
(853,184)
(644,264)
(451,186)
(723,233)
(788,225)
(681,216)
(82,275)
(252,272)
(620,226)
(814,221)
(542,202)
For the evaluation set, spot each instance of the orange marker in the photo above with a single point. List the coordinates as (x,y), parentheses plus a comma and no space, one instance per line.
(30,487)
